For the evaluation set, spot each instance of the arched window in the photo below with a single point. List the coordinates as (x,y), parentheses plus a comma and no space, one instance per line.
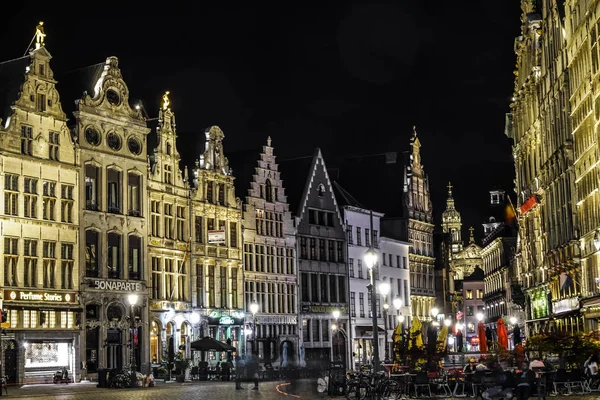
(135,259)
(114,255)
(155,342)
(269,191)
(91,253)
(113,183)
(321,190)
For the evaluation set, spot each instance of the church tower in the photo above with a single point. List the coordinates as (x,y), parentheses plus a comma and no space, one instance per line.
(452,224)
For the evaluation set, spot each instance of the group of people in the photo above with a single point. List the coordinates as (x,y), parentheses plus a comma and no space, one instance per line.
(500,382)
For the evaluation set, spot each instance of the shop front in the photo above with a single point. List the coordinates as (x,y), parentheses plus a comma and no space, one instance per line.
(116,331)
(42,335)
(226,326)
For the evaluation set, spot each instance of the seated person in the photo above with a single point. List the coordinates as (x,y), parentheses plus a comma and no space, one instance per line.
(481,366)
(470,367)
(525,381)
(502,387)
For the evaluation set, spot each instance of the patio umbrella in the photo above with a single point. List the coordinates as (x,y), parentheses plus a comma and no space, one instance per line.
(482,339)
(502,335)
(517,335)
(209,344)
(442,339)
(416,336)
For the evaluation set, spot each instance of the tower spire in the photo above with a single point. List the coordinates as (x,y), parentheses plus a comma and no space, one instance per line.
(471,237)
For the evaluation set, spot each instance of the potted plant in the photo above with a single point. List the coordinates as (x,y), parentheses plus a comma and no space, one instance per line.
(181,365)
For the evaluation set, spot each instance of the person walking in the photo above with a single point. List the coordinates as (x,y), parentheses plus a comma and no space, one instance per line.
(252,370)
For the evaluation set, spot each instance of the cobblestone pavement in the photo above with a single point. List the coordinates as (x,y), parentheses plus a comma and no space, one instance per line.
(299,389)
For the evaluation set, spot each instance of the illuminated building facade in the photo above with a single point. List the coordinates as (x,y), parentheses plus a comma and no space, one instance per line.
(270,277)
(171,321)
(540,124)
(39,221)
(112,178)
(217,274)
(416,227)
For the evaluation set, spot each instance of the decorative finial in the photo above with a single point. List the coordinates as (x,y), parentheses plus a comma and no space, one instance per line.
(269,141)
(39,35)
(471,237)
(449,189)
(166,101)
(414,131)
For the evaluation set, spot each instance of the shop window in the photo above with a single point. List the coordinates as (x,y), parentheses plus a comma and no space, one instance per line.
(155,343)
(135,257)
(47,355)
(113,183)
(134,189)
(92,179)
(114,255)
(91,253)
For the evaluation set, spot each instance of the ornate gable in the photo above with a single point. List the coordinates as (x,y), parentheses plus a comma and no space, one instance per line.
(111,93)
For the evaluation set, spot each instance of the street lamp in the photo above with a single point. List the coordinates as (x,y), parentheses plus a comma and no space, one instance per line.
(447,322)
(336,314)
(254,310)
(434,312)
(479,317)
(513,320)
(384,290)
(133,299)
(370,261)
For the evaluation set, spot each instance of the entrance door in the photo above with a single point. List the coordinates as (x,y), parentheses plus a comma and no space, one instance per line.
(114,349)
(11,361)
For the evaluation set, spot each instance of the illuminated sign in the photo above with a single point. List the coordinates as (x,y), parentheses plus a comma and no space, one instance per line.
(322,309)
(226,320)
(529,204)
(36,295)
(216,237)
(119,286)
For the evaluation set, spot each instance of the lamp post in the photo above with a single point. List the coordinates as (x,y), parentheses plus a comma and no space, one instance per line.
(384,290)
(254,310)
(133,298)
(434,313)
(334,326)
(370,261)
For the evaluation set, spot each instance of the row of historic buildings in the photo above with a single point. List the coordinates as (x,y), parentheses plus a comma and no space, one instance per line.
(114,256)
(553,123)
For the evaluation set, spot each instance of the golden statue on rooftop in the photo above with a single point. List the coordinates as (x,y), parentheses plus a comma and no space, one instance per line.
(39,35)
(166,101)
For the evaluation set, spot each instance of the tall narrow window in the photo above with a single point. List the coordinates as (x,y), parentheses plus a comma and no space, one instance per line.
(211,286)
(135,257)
(92,180)
(222,194)
(234,288)
(198,229)
(66,265)
(11,258)
(155,219)
(30,197)
(200,284)
(156,278)
(135,198)
(358,236)
(53,145)
(349,235)
(91,253)
(233,242)
(269,191)
(11,194)
(168,212)
(168,174)
(367,238)
(41,102)
(26,140)
(66,203)
(49,264)
(113,182)
(353,304)
(209,192)
(30,263)
(114,255)
(223,279)
(180,223)
(49,200)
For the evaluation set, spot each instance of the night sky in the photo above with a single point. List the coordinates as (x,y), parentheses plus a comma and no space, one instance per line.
(350,79)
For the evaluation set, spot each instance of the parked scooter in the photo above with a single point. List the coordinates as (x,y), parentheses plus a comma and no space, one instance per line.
(61,376)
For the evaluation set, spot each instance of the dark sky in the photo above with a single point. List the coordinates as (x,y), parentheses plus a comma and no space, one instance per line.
(351,79)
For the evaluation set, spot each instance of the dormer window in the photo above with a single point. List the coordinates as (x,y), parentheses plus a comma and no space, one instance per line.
(321,190)
(42,70)
(41,102)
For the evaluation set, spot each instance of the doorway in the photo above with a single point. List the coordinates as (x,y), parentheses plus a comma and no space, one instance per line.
(114,349)
(11,361)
